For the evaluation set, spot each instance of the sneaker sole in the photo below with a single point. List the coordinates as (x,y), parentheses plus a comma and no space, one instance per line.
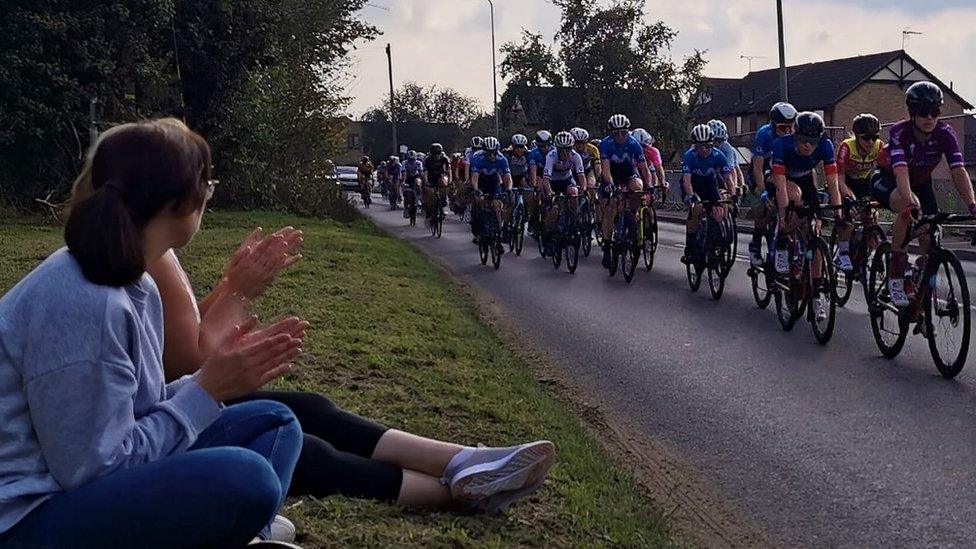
(526,466)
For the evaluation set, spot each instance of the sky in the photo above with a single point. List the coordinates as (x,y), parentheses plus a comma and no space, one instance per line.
(448,42)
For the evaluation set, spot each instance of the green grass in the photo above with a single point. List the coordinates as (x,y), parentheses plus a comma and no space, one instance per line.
(393,340)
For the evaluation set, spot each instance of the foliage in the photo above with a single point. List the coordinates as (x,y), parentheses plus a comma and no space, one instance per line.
(415,103)
(255,77)
(530,62)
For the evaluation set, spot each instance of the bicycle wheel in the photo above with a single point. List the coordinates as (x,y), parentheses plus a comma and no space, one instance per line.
(515,227)
(557,253)
(716,267)
(875,234)
(844,280)
(732,244)
(496,250)
(757,277)
(572,251)
(628,261)
(788,305)
(413,213)
(823,290)
(888,324)
(649,227)
(947,314)
(614,258)
(483,249)
(520,237)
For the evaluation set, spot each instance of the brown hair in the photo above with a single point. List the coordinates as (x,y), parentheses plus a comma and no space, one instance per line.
(133,172)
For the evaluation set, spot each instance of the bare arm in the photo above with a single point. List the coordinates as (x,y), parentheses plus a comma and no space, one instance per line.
(964,186)
(782,196)
(686,184)
(757,174)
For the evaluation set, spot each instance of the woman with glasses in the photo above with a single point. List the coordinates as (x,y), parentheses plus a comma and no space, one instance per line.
(782,121)
(857,159)
(706,173)
(904,182)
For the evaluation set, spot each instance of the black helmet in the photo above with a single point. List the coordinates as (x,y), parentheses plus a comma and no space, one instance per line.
(923,94)
(782,113)
(436,148)
(809,125)
(867,125)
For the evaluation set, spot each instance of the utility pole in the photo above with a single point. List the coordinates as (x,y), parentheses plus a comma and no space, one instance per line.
(784,93)
(389,62)
(750,58)
(494,67)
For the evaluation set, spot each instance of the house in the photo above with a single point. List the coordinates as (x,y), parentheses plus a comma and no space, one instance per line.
(838,90)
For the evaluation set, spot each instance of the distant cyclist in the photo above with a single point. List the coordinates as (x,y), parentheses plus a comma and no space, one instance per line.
(537,165)
(437,166)
(518,163)
(652,155)
(721,132)
(475,148)
(782,121)
(590,154)
(364,172)
(904,184)
(394,177)
(490,175)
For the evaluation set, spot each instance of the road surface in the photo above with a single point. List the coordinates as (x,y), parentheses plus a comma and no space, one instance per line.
(821,446)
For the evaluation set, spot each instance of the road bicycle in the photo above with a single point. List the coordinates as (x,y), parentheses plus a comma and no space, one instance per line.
(938,306)
(713,246)
(566,240)
(410,203)
(865,238)
(435,218)
(515,227)
(490,235)
(797,292)
(634,235)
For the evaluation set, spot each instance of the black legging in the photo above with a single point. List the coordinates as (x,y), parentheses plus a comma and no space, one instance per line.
(336,450)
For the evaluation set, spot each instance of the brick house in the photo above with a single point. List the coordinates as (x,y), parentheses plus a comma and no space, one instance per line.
(838,90)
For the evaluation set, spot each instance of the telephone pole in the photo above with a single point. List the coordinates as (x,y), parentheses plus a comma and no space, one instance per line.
(784,93)
(389,61)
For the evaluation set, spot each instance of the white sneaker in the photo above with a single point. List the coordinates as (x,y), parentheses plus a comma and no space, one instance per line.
(269,544)
(896,290)
(820,308)
(782,262)
(522,467)
(282,529)
(844,262)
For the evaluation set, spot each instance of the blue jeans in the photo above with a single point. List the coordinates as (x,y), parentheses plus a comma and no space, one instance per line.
(221,493)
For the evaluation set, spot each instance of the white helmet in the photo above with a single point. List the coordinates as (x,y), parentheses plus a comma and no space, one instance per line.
(491,144)
(618,122)
(702,134)
(477,142)
(782,113)
(412,155)
(543,138)
(719,130)
(564,140)
(519,140)
(580,134)
(642,136)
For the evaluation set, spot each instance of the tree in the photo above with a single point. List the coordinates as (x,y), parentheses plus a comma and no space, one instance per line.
(530,62)
(415,103)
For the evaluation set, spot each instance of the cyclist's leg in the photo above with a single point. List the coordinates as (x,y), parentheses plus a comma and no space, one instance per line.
(552,212)
(795,197)
(929,206)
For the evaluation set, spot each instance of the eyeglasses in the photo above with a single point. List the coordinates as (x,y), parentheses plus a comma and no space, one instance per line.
(211,187)
(784,128)
(870,138)
(928,112)
(704,145)
(807,140)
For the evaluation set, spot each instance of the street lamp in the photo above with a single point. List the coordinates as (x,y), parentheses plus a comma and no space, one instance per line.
(494,67)
(784,94)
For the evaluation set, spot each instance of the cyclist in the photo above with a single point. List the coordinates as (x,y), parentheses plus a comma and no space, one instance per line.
(794,158)
(537,164)
(857,160)
(438,169)
(590,154)
(623,166)
(518,163)
(381,178)
(394,176)
(563,174)
(652,155)
(476,146)
(904,183)
(782,121)
(721,143)
(705,173)
(413,172)
(365,174)
(490,175)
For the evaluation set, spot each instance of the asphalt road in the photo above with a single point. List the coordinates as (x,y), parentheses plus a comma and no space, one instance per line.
(821,446)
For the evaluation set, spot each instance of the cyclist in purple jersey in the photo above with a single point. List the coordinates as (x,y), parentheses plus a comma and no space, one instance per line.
(782,122)
(904,183)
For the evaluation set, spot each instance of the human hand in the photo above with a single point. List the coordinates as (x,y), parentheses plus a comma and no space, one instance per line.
(259,260)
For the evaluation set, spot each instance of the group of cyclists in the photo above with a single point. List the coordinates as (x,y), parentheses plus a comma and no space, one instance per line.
(796,176)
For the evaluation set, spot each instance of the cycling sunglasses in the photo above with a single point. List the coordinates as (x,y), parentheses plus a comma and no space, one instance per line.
(869,136)
(784,128)
(621,132)
(807,140)
(928,112)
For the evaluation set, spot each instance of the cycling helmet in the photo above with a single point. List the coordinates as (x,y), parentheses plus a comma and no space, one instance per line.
(702,134)
(782,113)
(618,122)
(436,148)
(564,140)
(923,95)
(365,158)
(383,164)
(809,125)
(519,140)
(580,135)
(543,138)
(642,137)
(421,157)
(394,158)
(867,125)
(412,154)
(595,142)
(491,144)
(719,129)
(476,142)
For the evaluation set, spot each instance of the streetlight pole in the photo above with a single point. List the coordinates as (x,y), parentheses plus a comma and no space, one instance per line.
(783,91)
(494,67)
(389,60)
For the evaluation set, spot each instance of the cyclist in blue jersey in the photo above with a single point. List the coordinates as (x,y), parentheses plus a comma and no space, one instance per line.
(782,122)
(490,175)
(624,167)
(394,176)
(518,162)
(721,132)
(795,157)
(475,148)
(706,173)
(537,164)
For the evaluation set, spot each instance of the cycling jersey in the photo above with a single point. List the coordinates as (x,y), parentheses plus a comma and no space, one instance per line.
(436,167)
(788,162)
(590,155)
(921,158)
(624,158)
(393,169)
(413,167)
(765,138)
(731,156)
(562,170)
(854,165)
(652,156)
(537,159)
(489,171)
(366,169)
(706,172)
(519,165)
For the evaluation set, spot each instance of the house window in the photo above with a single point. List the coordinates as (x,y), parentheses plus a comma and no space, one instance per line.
(353,141)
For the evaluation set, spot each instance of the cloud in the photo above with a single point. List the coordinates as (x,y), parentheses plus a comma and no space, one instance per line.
(448,42)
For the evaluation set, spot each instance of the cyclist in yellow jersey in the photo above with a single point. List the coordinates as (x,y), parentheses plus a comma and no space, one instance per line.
(590,155)
(857,160)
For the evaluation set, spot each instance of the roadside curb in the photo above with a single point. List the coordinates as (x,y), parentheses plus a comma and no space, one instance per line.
(964,254)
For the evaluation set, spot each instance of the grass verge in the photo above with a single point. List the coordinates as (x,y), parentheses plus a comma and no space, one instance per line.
(392,340)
